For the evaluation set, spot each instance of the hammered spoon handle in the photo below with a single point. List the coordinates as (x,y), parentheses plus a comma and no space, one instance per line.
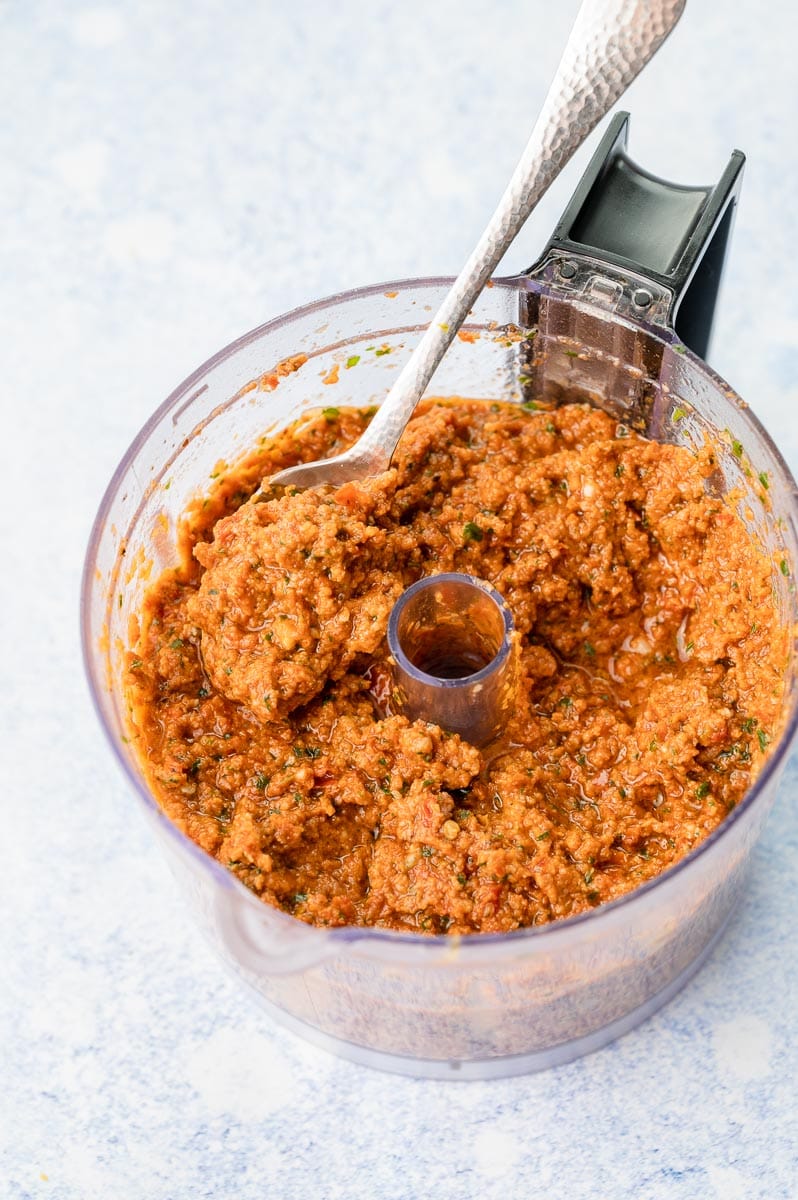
(610,43)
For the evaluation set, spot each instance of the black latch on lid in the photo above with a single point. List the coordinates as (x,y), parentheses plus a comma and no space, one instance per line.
(674,236)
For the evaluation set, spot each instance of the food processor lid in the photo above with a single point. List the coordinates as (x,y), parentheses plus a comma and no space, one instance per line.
(664,244)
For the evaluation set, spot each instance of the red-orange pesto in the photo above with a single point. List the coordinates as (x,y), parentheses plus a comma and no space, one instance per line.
(650,671)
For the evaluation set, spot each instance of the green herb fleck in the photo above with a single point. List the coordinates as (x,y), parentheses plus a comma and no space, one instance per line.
(702,790)
(352,361)
(330,414)
(678,414)
(177,644)
(764,480)
(472,532)
(382,350)
(307,751)
(590,649)
(763,739)
(427,852)
(783,567)
(262,781)
(737,448)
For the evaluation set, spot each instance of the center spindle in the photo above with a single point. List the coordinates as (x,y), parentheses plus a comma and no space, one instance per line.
(451,642)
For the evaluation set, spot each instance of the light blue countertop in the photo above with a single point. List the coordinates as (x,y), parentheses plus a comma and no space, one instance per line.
(173,175)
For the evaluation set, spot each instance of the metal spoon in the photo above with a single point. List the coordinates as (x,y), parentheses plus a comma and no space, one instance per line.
(610,43)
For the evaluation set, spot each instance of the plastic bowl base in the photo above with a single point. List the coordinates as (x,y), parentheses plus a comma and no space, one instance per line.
(505,1065)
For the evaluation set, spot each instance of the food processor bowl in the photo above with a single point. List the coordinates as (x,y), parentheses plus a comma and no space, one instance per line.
(570,330)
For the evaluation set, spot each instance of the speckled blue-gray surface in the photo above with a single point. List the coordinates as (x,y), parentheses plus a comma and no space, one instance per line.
(173,175)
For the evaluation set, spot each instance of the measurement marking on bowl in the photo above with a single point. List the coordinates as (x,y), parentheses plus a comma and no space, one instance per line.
(177,414)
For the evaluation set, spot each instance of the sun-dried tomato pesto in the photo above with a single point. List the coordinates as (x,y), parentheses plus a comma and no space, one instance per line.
(650,671)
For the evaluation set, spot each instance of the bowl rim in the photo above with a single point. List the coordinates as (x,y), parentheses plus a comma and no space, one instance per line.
(347,935)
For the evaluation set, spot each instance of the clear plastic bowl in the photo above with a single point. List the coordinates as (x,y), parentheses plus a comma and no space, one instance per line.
(482,1005)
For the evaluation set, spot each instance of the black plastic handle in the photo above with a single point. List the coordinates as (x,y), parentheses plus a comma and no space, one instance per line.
(677,237)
